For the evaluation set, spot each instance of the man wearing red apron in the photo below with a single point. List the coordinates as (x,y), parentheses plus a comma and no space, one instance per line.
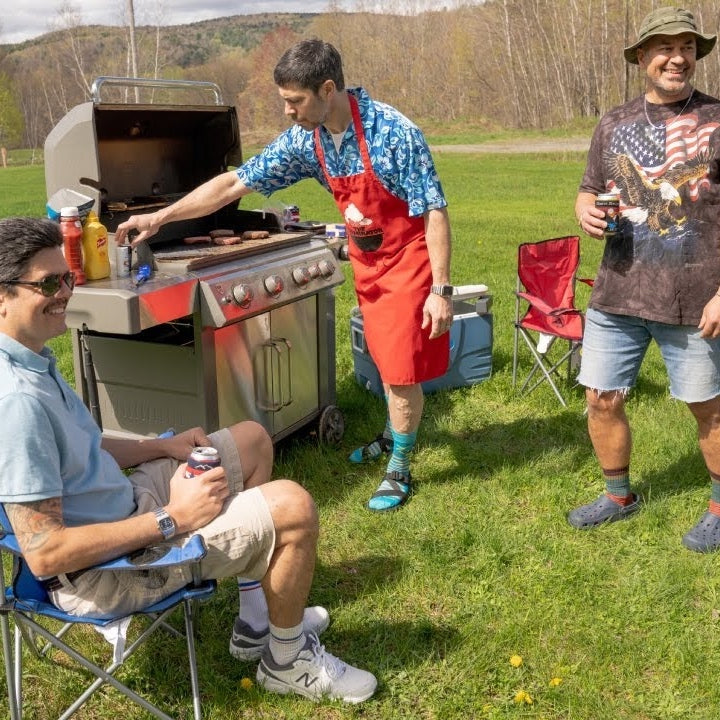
(378,167)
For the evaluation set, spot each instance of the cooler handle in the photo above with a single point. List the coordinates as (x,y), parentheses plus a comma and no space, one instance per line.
(127,82)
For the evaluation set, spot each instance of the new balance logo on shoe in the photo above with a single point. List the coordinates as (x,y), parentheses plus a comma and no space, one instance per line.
(306,679)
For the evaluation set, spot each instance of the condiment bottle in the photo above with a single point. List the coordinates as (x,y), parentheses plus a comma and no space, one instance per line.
(96,262)
(72,242)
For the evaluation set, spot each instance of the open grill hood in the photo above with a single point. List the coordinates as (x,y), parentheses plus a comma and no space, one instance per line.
(137,157)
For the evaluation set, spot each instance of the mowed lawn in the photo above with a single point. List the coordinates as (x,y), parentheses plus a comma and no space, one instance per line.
(481,565)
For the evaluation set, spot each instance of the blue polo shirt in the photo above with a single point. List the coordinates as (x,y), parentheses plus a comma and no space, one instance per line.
(51,447)
(399,154)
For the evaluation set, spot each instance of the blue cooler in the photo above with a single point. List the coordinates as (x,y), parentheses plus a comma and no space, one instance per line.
(471,339)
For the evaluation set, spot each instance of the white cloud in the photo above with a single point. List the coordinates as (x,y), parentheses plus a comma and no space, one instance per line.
(31,18)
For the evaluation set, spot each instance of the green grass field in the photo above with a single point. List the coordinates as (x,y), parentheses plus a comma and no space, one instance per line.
(619,623)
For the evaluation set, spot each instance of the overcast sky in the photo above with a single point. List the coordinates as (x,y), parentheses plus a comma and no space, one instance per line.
(30,18)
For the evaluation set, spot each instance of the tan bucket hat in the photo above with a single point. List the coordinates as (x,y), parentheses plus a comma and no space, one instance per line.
(670,21)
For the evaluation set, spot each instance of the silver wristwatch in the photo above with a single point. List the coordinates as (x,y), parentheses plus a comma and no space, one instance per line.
(444,290)
(165,523)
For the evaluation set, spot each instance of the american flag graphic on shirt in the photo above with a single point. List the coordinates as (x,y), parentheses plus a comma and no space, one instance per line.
(657,149)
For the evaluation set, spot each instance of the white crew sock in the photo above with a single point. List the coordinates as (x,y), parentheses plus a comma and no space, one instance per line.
(286,643)
(253,607)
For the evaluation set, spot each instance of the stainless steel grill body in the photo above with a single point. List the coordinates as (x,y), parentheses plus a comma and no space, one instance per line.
(217,334)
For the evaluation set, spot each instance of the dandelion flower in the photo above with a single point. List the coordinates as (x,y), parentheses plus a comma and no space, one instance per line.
(555,682)
(522,697)
(516,660)
(246,683)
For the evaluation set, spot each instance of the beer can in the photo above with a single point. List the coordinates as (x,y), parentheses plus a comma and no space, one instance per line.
(291,214)
(201,460)
(123,260)
(609,203)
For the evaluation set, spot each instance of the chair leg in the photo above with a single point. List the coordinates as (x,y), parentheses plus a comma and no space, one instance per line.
(9,677)
(102,675)
(547,372)
(17,680)
(188,611)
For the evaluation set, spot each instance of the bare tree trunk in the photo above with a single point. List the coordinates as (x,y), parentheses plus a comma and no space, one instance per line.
(133,48)
(510,60)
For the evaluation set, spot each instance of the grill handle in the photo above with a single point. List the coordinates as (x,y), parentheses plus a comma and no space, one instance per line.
(277,390)
(155,84)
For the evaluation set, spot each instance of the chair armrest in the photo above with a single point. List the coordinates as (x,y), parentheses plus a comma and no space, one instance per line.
(544,308)
(158,556)
(9,543)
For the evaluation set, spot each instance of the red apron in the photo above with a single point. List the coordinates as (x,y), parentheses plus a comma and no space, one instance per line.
(392,272)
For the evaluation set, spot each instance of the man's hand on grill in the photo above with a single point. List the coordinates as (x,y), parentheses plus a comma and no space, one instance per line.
(137,228)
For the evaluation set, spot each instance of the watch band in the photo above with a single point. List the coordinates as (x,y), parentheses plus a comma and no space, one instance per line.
(444,290)
(165,523)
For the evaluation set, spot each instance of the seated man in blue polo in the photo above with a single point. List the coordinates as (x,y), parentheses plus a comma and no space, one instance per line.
(72,506)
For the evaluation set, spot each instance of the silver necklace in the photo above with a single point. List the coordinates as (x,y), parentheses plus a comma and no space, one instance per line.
(662,125)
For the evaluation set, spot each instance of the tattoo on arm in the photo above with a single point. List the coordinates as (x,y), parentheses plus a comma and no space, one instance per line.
(34,522)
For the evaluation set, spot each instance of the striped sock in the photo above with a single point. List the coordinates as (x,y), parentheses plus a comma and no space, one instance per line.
(617,485)
(714,506)
(403,443)
(286,643)
(253,607)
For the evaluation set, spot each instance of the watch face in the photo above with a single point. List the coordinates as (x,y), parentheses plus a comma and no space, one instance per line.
(165,524)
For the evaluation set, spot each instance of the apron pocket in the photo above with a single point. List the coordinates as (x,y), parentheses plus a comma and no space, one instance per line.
(367,240)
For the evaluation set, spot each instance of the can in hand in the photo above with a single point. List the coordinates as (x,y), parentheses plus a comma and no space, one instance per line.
(201,460)
(609,203)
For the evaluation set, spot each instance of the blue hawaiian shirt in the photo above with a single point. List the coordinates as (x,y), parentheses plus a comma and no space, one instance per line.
(399,154)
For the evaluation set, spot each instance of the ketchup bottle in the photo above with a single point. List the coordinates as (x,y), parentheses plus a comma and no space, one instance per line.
(72,242)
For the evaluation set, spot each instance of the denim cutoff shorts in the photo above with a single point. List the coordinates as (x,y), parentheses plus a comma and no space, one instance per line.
(614,347)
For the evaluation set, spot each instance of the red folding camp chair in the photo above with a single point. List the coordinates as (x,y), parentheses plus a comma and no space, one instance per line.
(546,281)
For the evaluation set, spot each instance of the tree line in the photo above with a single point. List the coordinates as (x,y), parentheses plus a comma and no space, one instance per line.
(499,63)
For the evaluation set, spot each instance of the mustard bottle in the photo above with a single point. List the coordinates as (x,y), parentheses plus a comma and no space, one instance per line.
(95,248)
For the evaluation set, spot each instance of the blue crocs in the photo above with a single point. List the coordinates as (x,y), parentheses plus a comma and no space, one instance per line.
(705,536)
(374,449)
(393,492)
(602,510)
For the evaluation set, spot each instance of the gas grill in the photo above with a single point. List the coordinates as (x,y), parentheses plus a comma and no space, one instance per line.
(219,333)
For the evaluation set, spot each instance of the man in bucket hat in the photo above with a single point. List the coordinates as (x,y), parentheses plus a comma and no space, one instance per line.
(659,278)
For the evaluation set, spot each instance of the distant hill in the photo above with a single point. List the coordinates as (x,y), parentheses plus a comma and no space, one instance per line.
(183,45)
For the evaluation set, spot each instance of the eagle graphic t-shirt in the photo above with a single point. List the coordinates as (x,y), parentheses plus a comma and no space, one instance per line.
(664,264)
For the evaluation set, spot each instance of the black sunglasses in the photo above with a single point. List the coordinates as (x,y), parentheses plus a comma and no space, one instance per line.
(48,285)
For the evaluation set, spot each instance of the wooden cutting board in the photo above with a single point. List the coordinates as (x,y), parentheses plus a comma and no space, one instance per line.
(196,257)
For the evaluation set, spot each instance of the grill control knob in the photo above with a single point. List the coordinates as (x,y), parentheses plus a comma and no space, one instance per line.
(301,276)
(242,295)
(273,285)
(326,268)
(314,271)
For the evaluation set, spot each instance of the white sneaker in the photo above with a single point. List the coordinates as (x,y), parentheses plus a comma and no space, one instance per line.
(315,674)
(248,644)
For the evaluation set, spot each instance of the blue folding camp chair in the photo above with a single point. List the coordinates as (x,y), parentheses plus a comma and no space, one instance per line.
(26,603)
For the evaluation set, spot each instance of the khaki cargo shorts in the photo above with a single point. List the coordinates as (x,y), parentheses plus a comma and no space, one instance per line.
(240,542)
